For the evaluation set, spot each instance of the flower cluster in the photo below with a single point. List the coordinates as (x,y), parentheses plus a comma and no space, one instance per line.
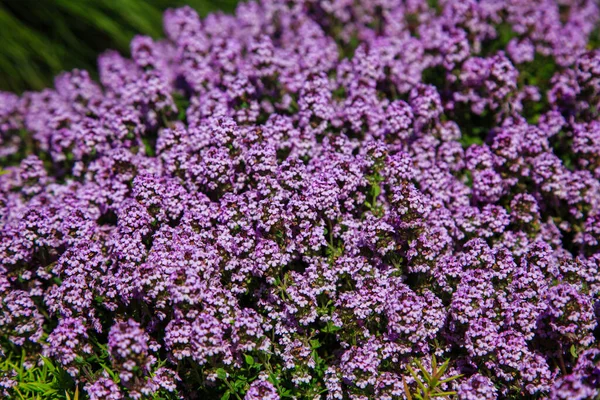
(302,199)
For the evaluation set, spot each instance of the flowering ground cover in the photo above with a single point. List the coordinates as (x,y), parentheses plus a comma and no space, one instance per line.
(335,199)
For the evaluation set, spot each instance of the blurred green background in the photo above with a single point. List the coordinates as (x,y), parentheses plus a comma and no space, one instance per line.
(41,38)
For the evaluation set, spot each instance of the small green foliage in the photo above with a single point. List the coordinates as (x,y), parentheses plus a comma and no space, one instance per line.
(538,72)
(148,147)
(474,128)
(347,50)
(435,5)
(182,103)
(468,179)
(561,143)
(249,360)
(573,351)
(236,385)
(75,395)
(594,42)
(374,191)
(41,380)
(331,327)
(468,140)
(429,383)
(505,35)
(435,76)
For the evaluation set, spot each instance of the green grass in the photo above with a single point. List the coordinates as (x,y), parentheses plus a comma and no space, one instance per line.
(43,381)
(43,38)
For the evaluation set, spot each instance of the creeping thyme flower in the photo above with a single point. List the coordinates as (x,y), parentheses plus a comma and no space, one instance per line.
(477,387)
(103,388)
(261,389)
(305,198)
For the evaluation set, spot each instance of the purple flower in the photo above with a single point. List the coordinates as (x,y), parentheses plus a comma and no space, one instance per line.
(477,387)
(261,389)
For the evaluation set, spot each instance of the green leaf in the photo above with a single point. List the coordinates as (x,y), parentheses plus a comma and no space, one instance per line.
(273,378)
(249,359)
(330,327)
(451,378)
(416,378)
(221,374)
(573,351)
(444,367)
(442,394)
(111,373)
(376,190)
(239,384)
(406,389)
(226,396)
(423,370)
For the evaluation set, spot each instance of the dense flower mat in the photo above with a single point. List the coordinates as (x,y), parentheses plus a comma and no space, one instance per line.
(345,199)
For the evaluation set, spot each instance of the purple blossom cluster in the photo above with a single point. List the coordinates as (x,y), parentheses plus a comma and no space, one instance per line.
(336,188)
